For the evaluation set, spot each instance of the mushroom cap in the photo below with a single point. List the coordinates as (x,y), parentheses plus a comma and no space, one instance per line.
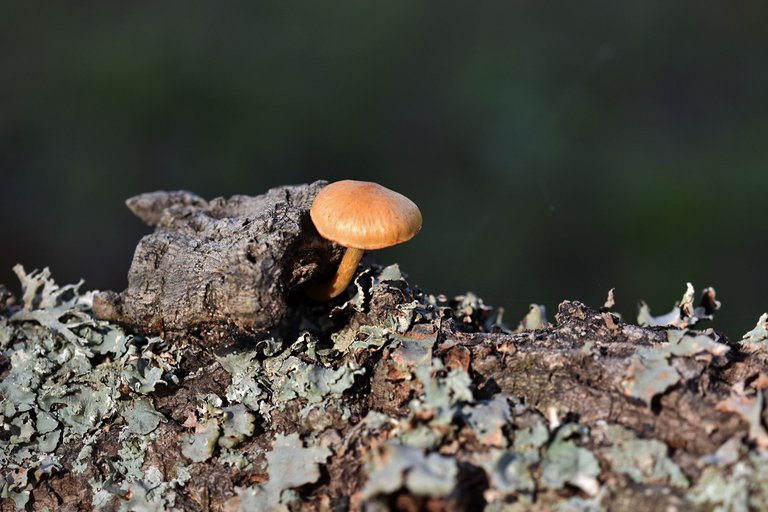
(364,215)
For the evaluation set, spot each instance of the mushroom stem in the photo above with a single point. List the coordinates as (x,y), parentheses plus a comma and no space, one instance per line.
(339,282)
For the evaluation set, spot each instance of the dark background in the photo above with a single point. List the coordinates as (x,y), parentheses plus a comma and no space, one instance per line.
(556,150)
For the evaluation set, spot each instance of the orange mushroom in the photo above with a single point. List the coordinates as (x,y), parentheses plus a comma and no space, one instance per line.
(360,216)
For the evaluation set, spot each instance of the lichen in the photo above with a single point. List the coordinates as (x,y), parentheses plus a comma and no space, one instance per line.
(535,319)
(422,473)
(488,419)
(509,473)
(383,393)
(684,313)
(650,373)
(750,408)
(564,462)
(755,340)
(290,465)
(645,461)
(70,375)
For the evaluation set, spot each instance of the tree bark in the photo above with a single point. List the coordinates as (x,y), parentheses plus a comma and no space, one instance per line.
(387,398)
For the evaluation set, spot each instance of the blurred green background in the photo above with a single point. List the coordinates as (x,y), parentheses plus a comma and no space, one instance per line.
(556,149)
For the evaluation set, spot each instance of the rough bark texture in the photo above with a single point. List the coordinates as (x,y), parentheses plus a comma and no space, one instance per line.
(225,262)
(392,400)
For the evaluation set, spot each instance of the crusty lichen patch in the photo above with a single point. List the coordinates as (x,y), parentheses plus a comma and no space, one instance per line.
(71,376)
(393,398)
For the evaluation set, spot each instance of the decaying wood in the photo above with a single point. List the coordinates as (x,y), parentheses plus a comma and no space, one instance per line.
(230,262)
(572,372)
(546,368)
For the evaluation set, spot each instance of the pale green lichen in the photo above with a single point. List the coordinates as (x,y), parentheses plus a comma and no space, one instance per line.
(540,459)
(685,313)
(645,461)
(290,464)
(292,378)
(69,372)
(509,472)
(724,492)
(239,424)
(130,455)
(442,396)
(245,371)
(198,447)
(141,417)
(471,309)
(564,462)
(531,437)
(650,373)
(71,375)
(64,384)
(422,474)
(579,504)
(535,319)
(47,304)
(364,337)
(217,425)
(444,400)
(750,408)
(152,493)
(756,339)
(488,419)
(687,343)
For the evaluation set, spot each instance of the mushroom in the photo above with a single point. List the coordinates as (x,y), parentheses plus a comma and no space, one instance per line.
(360,216)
